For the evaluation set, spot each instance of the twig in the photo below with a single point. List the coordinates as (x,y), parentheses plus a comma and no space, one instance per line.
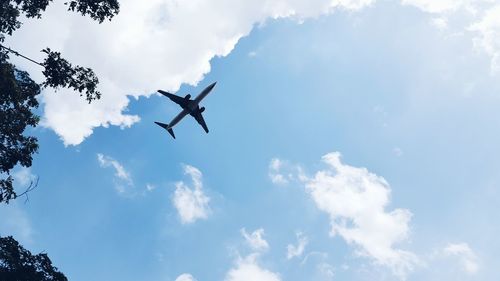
(20,55)
(30,188)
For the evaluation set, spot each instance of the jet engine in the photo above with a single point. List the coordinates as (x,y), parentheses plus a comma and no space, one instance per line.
(187,97)
(202,109)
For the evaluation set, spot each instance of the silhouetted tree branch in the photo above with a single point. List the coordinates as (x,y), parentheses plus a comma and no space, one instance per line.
(98,10)
(10,10)
(31,187)
(17,100)
(18,264)
(60,73)
(18,91)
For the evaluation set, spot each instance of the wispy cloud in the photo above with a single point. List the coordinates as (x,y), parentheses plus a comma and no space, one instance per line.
(467,257)
(23,176)
(256,239)
(122,176)
(327,270)
(297,251)
(488,31)
(248,268)
(281,172)
(191,203)
(150,187)
(275,172)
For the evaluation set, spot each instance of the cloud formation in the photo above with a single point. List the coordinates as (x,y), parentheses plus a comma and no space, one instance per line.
(149,45)
(248,269)
(437,6)
(163,44)
(356,202)
(256,240)
(465,254)
(297,251)
(122,176)
(191,203)
(488,34)
(23,176)
(185,277)
(281,172)
(275,174)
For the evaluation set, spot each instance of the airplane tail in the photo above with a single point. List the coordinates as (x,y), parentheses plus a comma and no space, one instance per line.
(166,127)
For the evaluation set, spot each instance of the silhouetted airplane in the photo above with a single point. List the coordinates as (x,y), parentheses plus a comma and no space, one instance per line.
(189,106)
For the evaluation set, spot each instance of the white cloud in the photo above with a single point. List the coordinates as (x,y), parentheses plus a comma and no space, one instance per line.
(465,254)
(314,254)
(274,172)
(485,23)
(440,23)
(163,44)
(191,203)
(149,45)
(281,172)
(256,240)
(122,177)
(248,269)
(436,6)
(356,202)
(23,176)
(185,277)
(327,270)
(488,38)
(297,251)
(150,187)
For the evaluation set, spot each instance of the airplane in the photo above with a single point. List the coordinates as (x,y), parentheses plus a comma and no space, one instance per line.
(189,106)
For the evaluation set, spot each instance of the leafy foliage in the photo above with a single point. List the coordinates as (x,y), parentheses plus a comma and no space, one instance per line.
(17,100)
(99,10)
(7,190)
(60,73)
(17,263)
(18,92)
(10,10)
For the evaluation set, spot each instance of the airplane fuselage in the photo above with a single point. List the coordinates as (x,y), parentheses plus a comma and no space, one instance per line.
(191,106)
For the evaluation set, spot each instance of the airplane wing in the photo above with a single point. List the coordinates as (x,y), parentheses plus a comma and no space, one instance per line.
(201,121)
(178,100)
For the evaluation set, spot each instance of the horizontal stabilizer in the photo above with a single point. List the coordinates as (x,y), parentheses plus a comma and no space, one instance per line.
(163,125)
(166,127)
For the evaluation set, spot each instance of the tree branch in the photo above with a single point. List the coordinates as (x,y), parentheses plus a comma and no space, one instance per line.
(30,188)
(20,55)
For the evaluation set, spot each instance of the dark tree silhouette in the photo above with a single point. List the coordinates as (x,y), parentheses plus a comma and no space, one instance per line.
(17,100)
(18,264)
(18,91)
(10,10)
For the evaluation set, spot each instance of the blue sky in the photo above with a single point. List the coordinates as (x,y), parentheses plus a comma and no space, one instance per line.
(365,131)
